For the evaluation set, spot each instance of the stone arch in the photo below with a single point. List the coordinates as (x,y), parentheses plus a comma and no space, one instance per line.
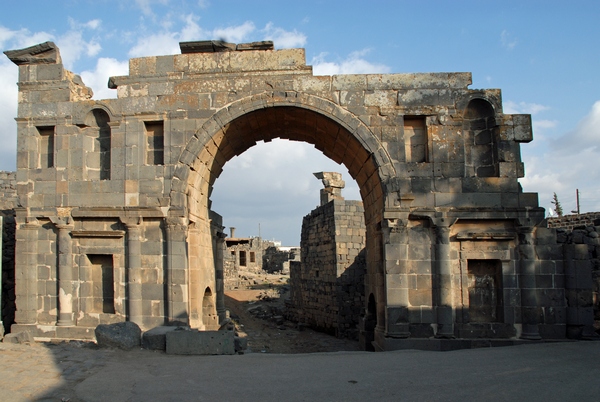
(337,133)
(81,115)
(481,135)
(209,310)
(370,168)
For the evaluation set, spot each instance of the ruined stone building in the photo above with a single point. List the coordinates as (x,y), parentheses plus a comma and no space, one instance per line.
(327,286)
(277,259)
(241,254)
(114,217)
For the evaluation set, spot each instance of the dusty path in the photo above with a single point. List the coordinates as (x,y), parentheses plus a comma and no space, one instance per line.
(272,333)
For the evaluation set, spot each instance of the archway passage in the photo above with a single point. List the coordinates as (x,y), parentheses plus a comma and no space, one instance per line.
(285,122)
(344,140)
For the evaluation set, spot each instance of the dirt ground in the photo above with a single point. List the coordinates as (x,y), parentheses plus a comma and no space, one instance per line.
(258,314)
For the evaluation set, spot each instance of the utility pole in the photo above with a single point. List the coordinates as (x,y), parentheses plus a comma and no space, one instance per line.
(577,196)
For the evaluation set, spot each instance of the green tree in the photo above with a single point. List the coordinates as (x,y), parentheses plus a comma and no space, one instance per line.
(557,207)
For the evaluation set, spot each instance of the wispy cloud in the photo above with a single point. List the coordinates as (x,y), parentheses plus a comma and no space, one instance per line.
(566,163)
(146,5)
(507,40)
(354,63)
(282,38)
(511,107)
(97,79)
(283,170)
(235,34)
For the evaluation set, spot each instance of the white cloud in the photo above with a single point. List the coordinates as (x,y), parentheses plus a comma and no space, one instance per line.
(22,38)
(507,40)
(545,123)
(567,163)
(146,5)
(585,137)
(191,30)
(235,34)
(93,24)
(355,63)
(73,45)
(12,39)
(5,35)
(167,42)
(98,79)
(278,187)
(283,39)
(8,112)
(157,44)
(511,107)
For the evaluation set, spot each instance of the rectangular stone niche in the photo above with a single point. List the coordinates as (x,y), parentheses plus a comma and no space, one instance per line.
(485,290)
(103,283)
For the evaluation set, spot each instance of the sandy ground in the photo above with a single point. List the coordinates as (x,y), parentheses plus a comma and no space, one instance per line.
(259,314)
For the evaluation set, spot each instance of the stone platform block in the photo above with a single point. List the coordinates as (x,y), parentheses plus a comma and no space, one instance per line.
(156,338)
(123,335)
(200,342)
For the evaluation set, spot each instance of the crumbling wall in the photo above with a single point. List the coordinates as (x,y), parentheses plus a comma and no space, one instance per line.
(277,260)
(231,276)
(243,258)
(327,287)
(8,202)
(570,222)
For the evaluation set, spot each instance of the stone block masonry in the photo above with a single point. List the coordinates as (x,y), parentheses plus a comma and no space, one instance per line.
(8,203)
(327,286)
(570,222)
(113,218)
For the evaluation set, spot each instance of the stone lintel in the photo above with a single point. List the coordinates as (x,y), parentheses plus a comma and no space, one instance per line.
(215,46)
(98,233)
(206,46)
(264,45)
(43,53)
(117,212)
(486,236)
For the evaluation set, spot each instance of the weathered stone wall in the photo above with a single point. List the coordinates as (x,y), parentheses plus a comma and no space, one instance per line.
(242,258)
(278,260)
(327,287)
(582,277)
(437,164)
(570,222)
(8,202)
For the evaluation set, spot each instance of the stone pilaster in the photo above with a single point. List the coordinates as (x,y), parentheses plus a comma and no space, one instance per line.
(443,263)
(66,291)
(219,248)
(527,281)
(396,246)
(177,282)
(134,268)
(26,258)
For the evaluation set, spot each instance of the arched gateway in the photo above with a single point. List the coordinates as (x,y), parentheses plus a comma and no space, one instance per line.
(115,220)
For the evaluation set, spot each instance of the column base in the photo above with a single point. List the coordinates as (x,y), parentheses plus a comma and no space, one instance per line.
(65,320)
(445,331)
(530,332)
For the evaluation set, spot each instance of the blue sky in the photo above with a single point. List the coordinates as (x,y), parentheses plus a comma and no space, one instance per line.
(542,54)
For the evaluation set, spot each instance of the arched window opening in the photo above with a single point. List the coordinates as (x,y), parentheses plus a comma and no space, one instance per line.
(481,136)
(98,152)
